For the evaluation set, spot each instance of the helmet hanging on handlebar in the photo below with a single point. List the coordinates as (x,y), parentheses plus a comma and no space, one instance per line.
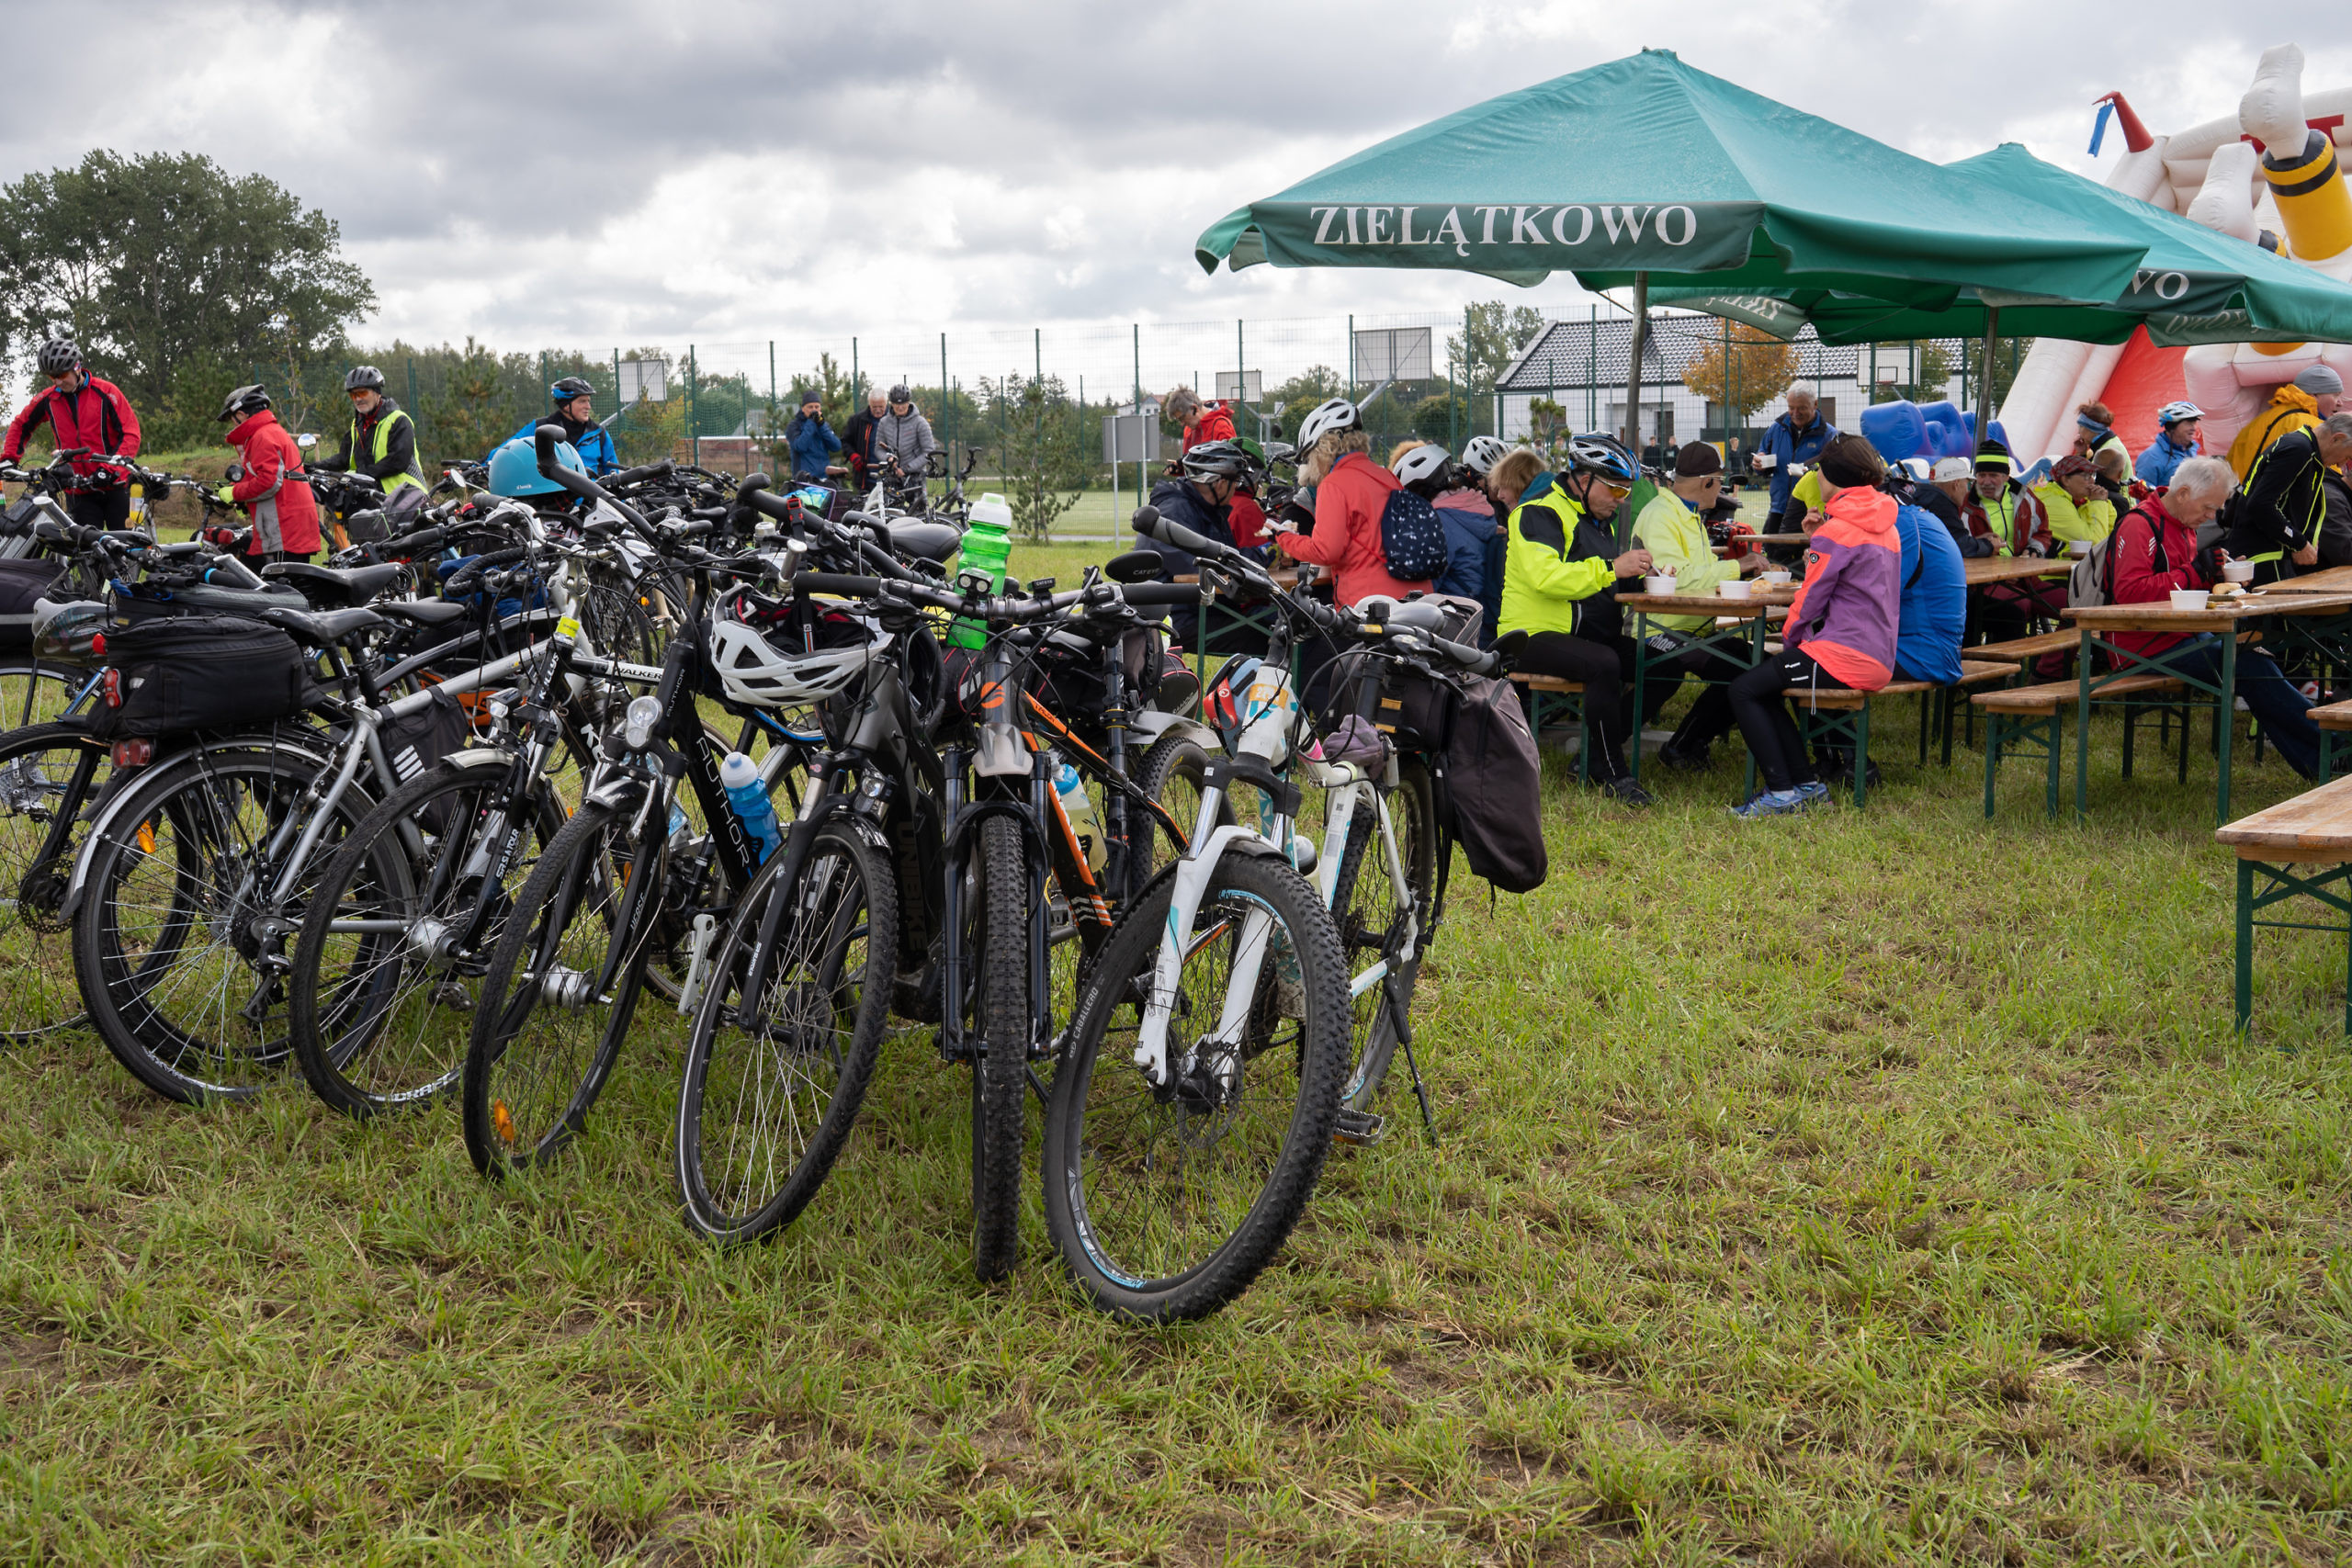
(515,468)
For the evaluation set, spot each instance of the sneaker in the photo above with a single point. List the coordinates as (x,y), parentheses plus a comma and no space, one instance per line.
(1627,791)
(1814,793)
(1692,760)
(1770,803)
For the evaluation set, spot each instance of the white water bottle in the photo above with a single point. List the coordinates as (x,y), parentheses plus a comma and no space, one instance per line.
(1079,806)
(739,776)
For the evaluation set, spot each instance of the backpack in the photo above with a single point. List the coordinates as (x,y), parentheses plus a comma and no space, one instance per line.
(1411,538)
(2092,582)
(1495,785)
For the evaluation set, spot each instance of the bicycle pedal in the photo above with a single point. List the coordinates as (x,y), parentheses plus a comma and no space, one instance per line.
(1359,1126)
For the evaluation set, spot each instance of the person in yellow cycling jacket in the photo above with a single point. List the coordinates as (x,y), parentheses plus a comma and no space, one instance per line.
(2079,510)
(2299,405)
(1560,573)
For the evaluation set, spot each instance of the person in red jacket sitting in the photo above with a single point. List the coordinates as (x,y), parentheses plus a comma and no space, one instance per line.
(2154,552)
(270,484)
(81,410)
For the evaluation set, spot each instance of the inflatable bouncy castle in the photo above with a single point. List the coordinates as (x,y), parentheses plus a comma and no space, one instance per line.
(2270,174)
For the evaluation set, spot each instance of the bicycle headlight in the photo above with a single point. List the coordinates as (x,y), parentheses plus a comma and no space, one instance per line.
(637,724)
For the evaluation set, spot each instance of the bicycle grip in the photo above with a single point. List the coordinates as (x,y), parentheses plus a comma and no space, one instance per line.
(836,582)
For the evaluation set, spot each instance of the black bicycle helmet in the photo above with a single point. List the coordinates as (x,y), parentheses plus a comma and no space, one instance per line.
(58,356)
(364,378)
(1219,460)
(242,401)
(1604,456)
(563,392)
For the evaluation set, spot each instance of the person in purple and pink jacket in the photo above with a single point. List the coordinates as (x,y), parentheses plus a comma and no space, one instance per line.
(1841,631)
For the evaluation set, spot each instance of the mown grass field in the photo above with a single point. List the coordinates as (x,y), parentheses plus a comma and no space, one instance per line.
(1858,1189)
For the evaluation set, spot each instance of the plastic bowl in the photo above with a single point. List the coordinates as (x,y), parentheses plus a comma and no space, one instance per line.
(1657,585)
(1733,589)
(2238,571)
(2189,598)
(1777,579)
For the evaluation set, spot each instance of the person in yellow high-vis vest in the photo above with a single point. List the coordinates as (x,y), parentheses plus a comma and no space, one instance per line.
(381,444)
(2300,404)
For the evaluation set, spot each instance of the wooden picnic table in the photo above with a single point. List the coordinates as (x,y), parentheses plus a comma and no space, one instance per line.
(2328,579)
(2302,846)
(1980,572)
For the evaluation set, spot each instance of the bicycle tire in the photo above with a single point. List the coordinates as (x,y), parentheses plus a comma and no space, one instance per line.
(1000,1073)
(138,974)
(1365,908)
(526,1095)
(1107,1123)
(840,935)
(36,691)
(36,767)
(378,1023)
(1172,773)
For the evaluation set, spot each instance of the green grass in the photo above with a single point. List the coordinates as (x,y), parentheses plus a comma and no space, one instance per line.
(1856,1189)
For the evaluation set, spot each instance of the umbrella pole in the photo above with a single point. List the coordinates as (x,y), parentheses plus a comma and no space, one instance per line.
(1984,384)
(1634,392)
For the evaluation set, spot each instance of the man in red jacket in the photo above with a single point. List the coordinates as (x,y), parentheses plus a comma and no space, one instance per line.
(271,485)
(2154,552)
(81,410)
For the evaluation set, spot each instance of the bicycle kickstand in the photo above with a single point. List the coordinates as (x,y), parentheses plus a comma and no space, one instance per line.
(1401,1017)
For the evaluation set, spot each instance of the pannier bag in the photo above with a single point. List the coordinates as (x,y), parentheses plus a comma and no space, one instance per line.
(1415,712)
(416,743)
(22,583)
(193,672)
(1495,785)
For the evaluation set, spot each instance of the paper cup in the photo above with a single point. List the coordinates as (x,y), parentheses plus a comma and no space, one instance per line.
(1777,579)
(2189,598)
(2238,571)
(1658,584)
(1734,589)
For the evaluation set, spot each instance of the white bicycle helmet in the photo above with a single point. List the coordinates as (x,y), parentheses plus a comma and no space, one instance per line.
(753,672)
(1421,463)
(2173,413)
(1336,413)
(1480,454)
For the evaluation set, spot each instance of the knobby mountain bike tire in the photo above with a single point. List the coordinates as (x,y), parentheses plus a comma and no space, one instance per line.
(1165,1202)
(766,1103)
(544,1036)
(1364,905)
(171,944)
(38,767)
(1000,1073)
(1172,773)
(381,1017)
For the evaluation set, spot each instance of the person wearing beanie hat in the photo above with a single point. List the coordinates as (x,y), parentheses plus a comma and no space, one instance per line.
(1840,632)
(2079,512)
(811,441)
(1673,528)
(2301,404)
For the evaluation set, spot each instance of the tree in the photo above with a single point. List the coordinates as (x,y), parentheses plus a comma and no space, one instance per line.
(1044,473)
(1741,368)
(473,410)
(175,277)
(1546,420)
(1496,332)
(1297,397)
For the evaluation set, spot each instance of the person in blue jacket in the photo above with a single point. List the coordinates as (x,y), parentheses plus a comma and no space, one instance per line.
(1935,598)
(574,409)
(1797,436)
(814,444)
(2175,442)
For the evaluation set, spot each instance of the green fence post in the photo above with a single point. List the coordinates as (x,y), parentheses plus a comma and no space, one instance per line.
(694,424)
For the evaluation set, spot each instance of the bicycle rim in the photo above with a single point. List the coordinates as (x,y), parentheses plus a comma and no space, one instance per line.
(37,771)
(766,1101)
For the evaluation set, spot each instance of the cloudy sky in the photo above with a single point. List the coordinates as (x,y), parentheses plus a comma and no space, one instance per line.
(617,172)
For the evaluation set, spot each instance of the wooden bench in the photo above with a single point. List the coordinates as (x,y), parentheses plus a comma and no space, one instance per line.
(2299,846)
(2025,649)
(2332,720)
(1560,699)
(2027,717)
(1854,732)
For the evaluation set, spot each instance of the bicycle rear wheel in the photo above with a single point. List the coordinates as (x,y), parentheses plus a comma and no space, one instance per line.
(1166,1202)
(557,995)
(766,1101)
(1000,1073)
(1371,921)
(38,767)
(388,969)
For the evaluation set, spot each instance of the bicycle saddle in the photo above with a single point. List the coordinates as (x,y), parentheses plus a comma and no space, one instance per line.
(352,586)
(927,541)
(320,628)
(424,612)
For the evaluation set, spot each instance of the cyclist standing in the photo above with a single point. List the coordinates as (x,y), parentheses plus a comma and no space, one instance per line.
(903,437)
(576,408)
(81,411)
(272,488)
(382,444)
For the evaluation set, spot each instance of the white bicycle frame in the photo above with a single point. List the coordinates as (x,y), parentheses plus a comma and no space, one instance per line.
(1348,783)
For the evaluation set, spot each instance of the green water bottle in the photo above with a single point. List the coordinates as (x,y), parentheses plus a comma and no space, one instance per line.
(988,546)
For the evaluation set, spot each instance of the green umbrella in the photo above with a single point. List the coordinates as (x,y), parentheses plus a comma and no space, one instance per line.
(2195,284)
(1645,167)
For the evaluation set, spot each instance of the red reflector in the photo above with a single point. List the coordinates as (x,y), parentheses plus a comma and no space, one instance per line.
(135,753)
(99,644)
(114,688)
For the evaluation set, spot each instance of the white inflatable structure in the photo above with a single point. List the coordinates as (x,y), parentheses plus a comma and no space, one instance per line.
(2270,174)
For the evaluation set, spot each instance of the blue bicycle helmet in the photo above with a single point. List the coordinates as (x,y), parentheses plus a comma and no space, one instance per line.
(515,468)
(1604,456)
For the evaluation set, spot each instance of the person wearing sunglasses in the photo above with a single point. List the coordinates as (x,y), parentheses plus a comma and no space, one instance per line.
(1560,576)
(81,410)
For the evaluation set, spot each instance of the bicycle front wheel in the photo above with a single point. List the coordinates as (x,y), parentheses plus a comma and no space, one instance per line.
(1165,1201)
(768,1098)
(1000,1073)
(558,995)
(390,965)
